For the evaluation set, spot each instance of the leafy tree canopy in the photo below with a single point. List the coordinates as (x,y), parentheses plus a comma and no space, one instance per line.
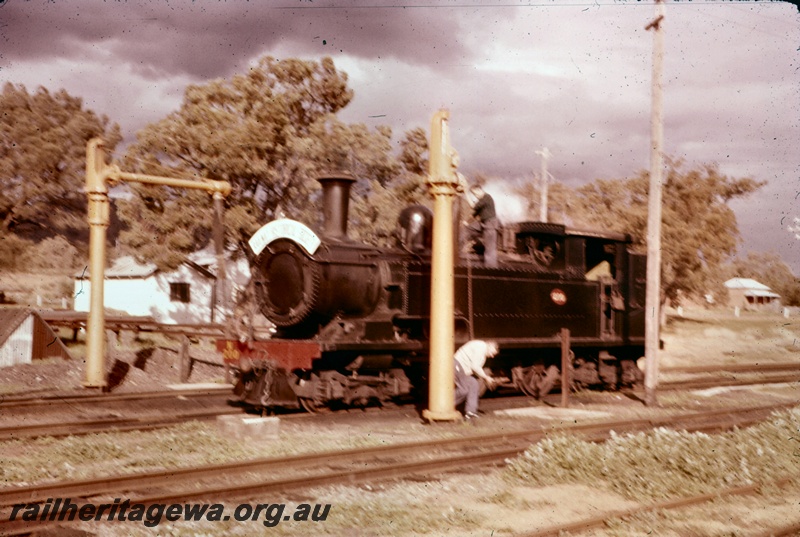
(43,140)
(375,215)
(699,230)
(270,132)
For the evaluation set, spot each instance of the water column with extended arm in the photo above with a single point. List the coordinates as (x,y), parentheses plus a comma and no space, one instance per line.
(98,173)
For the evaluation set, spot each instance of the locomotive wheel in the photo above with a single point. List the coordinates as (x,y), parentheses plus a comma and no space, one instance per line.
(312,407)
(244,385)
(537,382)
(549,380)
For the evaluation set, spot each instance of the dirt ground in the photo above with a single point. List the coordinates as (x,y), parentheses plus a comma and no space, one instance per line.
(149,364)
(482,503)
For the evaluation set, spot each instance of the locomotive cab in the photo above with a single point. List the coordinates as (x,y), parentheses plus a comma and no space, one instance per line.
(541,244)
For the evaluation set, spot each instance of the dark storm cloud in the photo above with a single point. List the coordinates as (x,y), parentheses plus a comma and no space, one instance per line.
(212,39)
(570,76)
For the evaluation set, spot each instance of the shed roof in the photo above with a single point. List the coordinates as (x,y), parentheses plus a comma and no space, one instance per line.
(745,283)
(751,287)
(123,267)
(10,319)
(127,267)
(759,292)
(204,261)
(46,342)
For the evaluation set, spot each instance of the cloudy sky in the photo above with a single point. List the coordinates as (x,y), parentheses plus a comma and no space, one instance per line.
(570,75)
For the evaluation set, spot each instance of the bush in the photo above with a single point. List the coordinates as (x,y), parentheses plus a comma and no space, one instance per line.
(663,463)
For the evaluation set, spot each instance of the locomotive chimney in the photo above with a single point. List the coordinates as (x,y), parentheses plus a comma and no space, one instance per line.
(335,203)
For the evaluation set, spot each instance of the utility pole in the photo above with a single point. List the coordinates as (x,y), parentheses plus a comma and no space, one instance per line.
(653,297)
(543,205)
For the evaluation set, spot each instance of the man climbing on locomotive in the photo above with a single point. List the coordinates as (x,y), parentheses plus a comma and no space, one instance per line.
(486,224)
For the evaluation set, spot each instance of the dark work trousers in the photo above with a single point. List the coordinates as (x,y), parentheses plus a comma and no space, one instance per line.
(489,240)
(487,232)
(467,389)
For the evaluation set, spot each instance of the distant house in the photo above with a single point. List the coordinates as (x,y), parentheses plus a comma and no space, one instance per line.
(183,296)
(25,336)
(749,294)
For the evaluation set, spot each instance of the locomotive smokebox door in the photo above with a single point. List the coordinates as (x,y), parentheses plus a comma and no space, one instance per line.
(286,284)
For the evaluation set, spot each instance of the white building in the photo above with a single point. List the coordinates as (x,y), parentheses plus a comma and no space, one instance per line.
(748,294)
(183,296)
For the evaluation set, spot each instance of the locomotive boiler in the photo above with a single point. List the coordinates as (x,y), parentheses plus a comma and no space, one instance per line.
(351,321)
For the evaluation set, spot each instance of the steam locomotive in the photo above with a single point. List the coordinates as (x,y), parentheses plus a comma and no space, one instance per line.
(351,321)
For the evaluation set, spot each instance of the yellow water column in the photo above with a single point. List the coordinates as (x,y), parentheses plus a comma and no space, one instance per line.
(99,217)
(443,182)
(98,174)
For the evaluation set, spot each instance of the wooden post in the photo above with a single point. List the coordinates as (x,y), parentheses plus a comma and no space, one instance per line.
(653,294)
(565,368)
(185,360)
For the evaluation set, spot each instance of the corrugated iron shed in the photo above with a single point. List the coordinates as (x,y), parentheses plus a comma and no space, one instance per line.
(751,287)
(25,336)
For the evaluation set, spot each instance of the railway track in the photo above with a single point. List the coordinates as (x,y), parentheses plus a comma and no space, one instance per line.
(251,478)
(681,503)
(19,401)
(732,375)
(698,384)
(57,415)
(107,425)
(151,421)
(740,368)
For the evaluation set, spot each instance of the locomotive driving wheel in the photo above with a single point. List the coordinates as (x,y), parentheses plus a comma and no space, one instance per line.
(536,381)
(312,406)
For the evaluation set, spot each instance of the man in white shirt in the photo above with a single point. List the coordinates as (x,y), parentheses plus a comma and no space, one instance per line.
(469,361)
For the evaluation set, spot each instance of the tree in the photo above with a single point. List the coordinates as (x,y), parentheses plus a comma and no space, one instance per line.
(375,215)
(270,132)
(560,200)
(413,151)
(43,140)
(699,229)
